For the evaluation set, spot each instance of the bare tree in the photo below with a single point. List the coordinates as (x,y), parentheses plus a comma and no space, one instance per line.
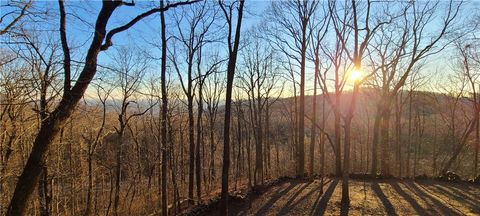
(257,81)
(57,118)
(320,29)
(130,68)
(359,48)
(228,11)
(467,77)
(290,35)
(471,63)
(396,64)
(163,119)
(213,93)
(199,21)
(93,140)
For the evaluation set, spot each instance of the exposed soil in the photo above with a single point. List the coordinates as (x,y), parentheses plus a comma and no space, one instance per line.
(383,197)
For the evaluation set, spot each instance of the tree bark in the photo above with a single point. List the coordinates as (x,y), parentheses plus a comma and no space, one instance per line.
(409,141)
(338,147)
(385,137)
(164,110)
(232,59)
(376,140)
(301,110)
(191,143)
(398,135)
(346,157)
(314,118)
(199,140)
(322,145)
(118,167)
(43,193)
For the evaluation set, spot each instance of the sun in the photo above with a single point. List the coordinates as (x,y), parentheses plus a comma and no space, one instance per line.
(355,75)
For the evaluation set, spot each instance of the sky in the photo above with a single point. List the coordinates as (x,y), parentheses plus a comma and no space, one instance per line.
(144,32)
(81,16)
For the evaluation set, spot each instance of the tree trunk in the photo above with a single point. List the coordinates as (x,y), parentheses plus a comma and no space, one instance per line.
(301,111)
(346,157)
(110,192)
(434,151)
(409,141)
(417,143)
(232,60)
(191,146)
(199,140)
(43,193)
(338,147)
(90,184)
(258,144)
(226,134)
(212,150)
(267,139)
(118,170)
(346,164)
(398,135)
(322,145)
(314,119)
(240,138)
(239,141)
(385,137)
(367,147)
(164,110)
(375,140)
(173,169)
(249,166)
(477,143)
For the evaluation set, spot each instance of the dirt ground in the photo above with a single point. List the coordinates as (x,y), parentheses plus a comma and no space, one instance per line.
(390,197)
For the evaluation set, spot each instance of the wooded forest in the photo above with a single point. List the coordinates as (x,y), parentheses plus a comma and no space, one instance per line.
(123,107)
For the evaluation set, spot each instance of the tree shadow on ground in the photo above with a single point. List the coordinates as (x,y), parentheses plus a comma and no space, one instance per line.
(386,203)
(344,209)
(288,206)
(302,199)
(322,201)
(460,195)
(275,197)
(456,189)
(305,197)
(433,202)
(408,198)
(461,189)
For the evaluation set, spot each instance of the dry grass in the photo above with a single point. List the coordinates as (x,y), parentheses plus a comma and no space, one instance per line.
(391,197)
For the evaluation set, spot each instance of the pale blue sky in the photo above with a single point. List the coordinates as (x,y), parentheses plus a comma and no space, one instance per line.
(82,14)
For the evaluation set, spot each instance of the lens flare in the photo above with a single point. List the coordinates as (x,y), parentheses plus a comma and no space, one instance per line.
(355,75)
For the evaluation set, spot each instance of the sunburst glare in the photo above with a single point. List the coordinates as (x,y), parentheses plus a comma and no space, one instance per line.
(355,75)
